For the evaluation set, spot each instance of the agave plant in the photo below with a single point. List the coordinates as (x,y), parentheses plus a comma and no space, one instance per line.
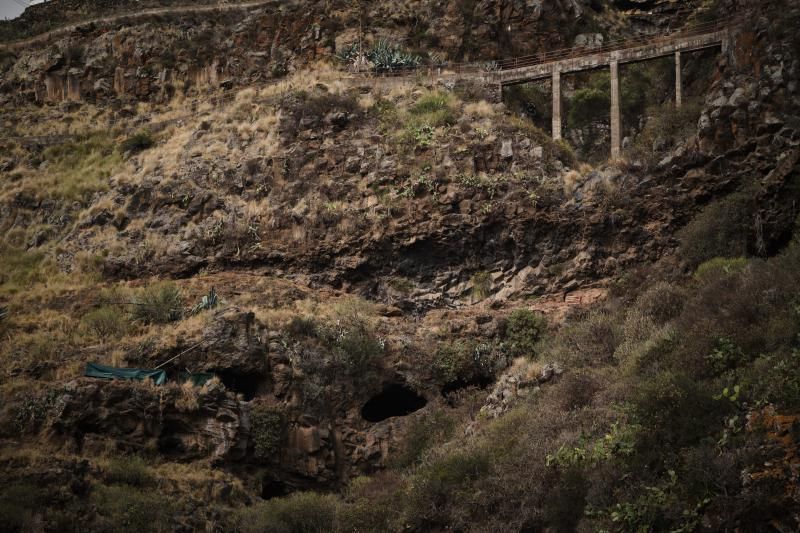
(208,301)
(387,57)
(383,56)
(3,312)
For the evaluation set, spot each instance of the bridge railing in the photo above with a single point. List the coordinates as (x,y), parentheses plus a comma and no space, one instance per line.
(613,46)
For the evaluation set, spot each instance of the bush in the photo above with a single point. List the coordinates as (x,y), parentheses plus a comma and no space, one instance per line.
(588,104)
(675,410)
(481,285)
(158,304)
(774,379)
(137,142)
(352,339)
(18,502)
(268,429)
(124,509)
(523,331)
(131,471)
(589,340)
(302,326)
(105,322)
(422,432)
(465,360)
(431,103)
(667,125)
(301,512)
(719,266)
(720,230)
(662,301)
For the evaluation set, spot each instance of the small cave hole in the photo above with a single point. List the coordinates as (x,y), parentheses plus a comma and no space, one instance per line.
(248,384)
(272,488)
(393,400)
(169,441)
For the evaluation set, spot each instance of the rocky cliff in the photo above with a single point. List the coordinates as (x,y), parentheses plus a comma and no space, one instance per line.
(386,279)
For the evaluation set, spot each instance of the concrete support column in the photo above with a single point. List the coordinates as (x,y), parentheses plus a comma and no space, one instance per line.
(678,78)
(556,104)
(615,121)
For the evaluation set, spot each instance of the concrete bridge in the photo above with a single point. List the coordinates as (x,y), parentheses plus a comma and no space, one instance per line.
(553,64)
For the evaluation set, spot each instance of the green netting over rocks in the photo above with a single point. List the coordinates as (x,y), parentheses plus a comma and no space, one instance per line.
(94,370)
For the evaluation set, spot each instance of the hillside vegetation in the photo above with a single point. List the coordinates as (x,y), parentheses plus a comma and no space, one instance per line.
(396,304)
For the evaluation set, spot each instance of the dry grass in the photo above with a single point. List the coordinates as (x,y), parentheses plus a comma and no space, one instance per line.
(482,109)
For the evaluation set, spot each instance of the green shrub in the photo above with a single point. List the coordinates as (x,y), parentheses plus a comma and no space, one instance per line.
(588,340)
(725,356)
(301,512)
(352,339)
(431,103)
(775,379)
(131,471)
(18,503)
(464,360)
(675,410)
(421,434)
(36,408)
(588,104)
(481,285)
(662,301)
(523,331)
(158,304)
(125,509)
(302,326)
(719,266)
(435,485)
(720,230)
(106,322)
(665,123)
(532,100)
(268,429)
(137,142)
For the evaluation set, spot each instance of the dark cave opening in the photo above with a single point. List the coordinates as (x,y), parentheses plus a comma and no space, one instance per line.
(394,400)
(169,443)
(272,488)
(248,384)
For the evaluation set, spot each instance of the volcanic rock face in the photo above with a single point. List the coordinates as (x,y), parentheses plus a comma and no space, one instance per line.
(143,418)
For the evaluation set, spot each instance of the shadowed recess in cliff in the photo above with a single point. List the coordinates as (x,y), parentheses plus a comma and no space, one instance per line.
(394,400)
(452,387)
(248,384)
(272,488)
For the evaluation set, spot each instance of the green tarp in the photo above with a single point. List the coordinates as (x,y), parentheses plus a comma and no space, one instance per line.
(93,370)
(159,377)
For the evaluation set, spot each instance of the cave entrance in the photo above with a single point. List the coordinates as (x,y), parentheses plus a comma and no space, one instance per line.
(393,400)
(248,384)
(169,441)
(272,488)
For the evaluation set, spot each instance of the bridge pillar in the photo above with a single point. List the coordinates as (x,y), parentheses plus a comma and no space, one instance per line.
(678,78)
(556,104)
(615,121)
